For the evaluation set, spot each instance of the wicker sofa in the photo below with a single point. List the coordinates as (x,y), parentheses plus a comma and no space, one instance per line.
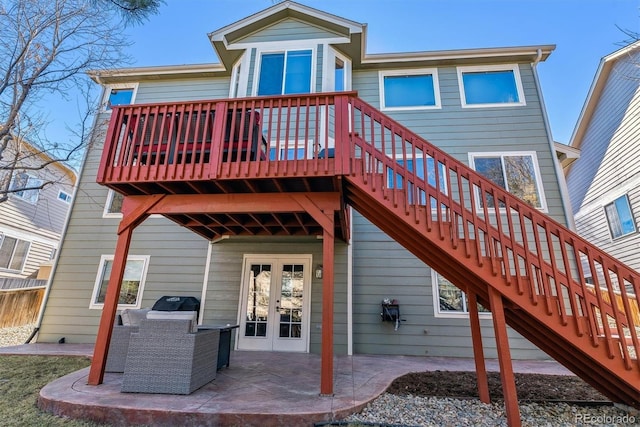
(167,356)
(127,322)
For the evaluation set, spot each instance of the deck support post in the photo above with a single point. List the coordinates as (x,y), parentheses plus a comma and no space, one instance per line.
(504,359)
(133,213)
(326,371)
(478,352)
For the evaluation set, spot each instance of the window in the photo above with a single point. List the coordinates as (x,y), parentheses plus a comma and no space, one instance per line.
(490,86)
(517,173)
(132,283)
(285,72)
(65,197)
(113,205)
(13,253)
(415,89)
(620,217)
(396,180)
(120,94)
(450,301)
(27,186)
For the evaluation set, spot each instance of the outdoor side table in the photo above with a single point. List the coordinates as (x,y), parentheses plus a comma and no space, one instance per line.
(224,345)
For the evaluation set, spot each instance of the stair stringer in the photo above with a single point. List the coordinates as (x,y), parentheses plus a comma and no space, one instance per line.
(592,362)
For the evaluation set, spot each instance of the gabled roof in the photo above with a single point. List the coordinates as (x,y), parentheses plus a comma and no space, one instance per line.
(346,35)
(225,38)
(597,86)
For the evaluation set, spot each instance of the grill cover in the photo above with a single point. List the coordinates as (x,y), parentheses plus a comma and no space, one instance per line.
(173,303)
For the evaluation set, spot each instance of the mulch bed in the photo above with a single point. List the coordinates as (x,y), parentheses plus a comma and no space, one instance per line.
(530,387)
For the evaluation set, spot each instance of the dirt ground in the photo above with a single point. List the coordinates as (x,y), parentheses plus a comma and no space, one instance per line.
(530,387)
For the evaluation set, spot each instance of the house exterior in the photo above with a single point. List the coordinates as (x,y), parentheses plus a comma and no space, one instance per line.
(307,191)
(32,221)
(604,183)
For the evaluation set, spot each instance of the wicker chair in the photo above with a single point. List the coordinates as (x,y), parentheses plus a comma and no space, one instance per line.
(164,356)
(119,347)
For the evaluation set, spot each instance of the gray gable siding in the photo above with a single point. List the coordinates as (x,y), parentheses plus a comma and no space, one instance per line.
(608,166)
(609,149)
(288,29)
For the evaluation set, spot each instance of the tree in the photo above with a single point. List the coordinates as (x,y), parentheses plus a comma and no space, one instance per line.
(46,47)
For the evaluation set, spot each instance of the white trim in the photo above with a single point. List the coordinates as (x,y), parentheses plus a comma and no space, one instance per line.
(412,72)
(26,255)
(25,235)
(328,69)
(516,75)
(350,286)
(107,214)
(205,282)
(606,217)
(69,196)
(107,92)
(277,260)
(98,282)
(243,79)
(107,204)
(284,47)
(286,44)
(501,154)
(449,314)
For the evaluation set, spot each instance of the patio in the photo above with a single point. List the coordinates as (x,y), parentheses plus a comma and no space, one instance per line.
(257,389)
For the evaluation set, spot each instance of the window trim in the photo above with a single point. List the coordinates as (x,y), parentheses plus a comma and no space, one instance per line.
(107,92)
(286,47)
(26,254)
(30,177)
(449,314)
(536,166)
(606,217)
(412,72)
(109,200)
(506,67)
(98,281)
(69,197)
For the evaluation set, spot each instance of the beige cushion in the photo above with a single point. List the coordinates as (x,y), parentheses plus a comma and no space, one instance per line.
(175,315)
(133,316)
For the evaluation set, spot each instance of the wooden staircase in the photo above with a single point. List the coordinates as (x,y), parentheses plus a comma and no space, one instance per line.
(537,265)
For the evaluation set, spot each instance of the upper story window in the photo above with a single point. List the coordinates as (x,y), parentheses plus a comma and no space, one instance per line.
(620,217)
(113,205)
(287,72)
(13,253)
(64,196)
(490,86)
(518,173)
(26,187)
(119,94)
(409,89)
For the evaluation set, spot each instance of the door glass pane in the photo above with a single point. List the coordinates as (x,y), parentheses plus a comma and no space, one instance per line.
(339,75)
(291,301)
(298,74)
(258,300)
(271,71)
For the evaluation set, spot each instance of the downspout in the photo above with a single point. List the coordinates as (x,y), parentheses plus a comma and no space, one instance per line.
(564,191)
(350,286)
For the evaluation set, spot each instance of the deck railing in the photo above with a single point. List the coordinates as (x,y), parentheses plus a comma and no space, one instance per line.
(218,139)
(534,253)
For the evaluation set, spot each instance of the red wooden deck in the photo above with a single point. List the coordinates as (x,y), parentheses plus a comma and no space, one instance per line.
(290,165)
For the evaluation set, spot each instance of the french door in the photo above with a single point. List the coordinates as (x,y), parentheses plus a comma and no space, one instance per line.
(275,303)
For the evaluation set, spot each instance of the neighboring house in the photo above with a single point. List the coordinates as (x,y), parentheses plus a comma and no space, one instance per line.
(252,214)
(604,184)
(32,220)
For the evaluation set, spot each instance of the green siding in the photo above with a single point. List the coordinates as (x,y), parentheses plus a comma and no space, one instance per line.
(288,29)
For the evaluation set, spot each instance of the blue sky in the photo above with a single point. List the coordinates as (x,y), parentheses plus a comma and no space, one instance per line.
(583,31)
